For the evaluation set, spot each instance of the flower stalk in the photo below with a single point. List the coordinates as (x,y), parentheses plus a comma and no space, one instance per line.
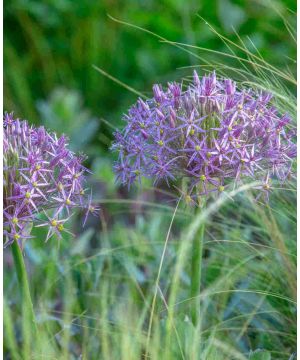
(23,283)
(196,271)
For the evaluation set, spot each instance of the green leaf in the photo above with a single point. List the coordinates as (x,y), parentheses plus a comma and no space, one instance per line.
(63,112)
(82,242)
(260,355)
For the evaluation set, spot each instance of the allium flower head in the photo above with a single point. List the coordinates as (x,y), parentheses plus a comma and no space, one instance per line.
(42,179)
(212,133)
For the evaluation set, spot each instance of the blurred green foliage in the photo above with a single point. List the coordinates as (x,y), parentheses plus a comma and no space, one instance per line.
(93,294)
(54,43)
(65,107)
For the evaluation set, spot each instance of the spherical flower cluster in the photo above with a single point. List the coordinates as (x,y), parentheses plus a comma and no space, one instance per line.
(42,179)
(212,133)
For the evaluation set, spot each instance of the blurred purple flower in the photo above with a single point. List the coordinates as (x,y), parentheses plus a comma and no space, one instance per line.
(213,134)
(42,177)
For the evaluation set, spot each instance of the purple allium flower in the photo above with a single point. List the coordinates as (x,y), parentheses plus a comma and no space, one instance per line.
(213,133)
(42,178)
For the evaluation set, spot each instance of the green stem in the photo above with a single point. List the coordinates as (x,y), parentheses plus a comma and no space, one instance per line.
(23,282)
(196,265)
